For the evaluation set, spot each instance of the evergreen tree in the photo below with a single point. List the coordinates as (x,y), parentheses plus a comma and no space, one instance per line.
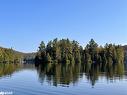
(70,52)
(48,60)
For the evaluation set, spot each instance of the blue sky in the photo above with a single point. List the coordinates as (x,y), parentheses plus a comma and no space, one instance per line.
(25,23)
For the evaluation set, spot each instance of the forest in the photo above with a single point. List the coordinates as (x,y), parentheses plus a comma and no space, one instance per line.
(9,56)
(65,51)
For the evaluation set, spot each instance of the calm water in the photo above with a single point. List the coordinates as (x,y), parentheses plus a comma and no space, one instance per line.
(62,80)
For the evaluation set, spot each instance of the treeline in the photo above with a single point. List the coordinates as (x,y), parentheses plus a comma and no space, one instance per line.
(70,52)
(9,56)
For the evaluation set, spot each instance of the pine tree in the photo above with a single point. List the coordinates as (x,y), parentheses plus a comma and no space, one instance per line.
(48,60)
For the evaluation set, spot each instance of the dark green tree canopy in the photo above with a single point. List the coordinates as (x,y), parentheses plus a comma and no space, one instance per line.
(70,52)
(42,46)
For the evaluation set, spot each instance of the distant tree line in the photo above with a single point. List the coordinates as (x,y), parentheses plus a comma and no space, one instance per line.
(70,52)
(8,56)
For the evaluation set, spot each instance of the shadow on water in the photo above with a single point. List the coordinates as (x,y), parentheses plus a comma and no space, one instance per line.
(64,75)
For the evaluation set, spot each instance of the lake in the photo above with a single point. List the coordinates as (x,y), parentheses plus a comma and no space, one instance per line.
(51,79)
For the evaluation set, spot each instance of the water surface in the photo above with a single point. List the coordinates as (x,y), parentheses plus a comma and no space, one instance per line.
(63,80)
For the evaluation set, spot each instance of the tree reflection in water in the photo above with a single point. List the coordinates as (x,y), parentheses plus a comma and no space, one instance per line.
(8,69)
(70,74)
(64,75)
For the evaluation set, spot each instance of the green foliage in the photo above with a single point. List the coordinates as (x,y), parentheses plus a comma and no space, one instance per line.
(48,60)
(70,52)
(8,56)
(42,46)
(60,51)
